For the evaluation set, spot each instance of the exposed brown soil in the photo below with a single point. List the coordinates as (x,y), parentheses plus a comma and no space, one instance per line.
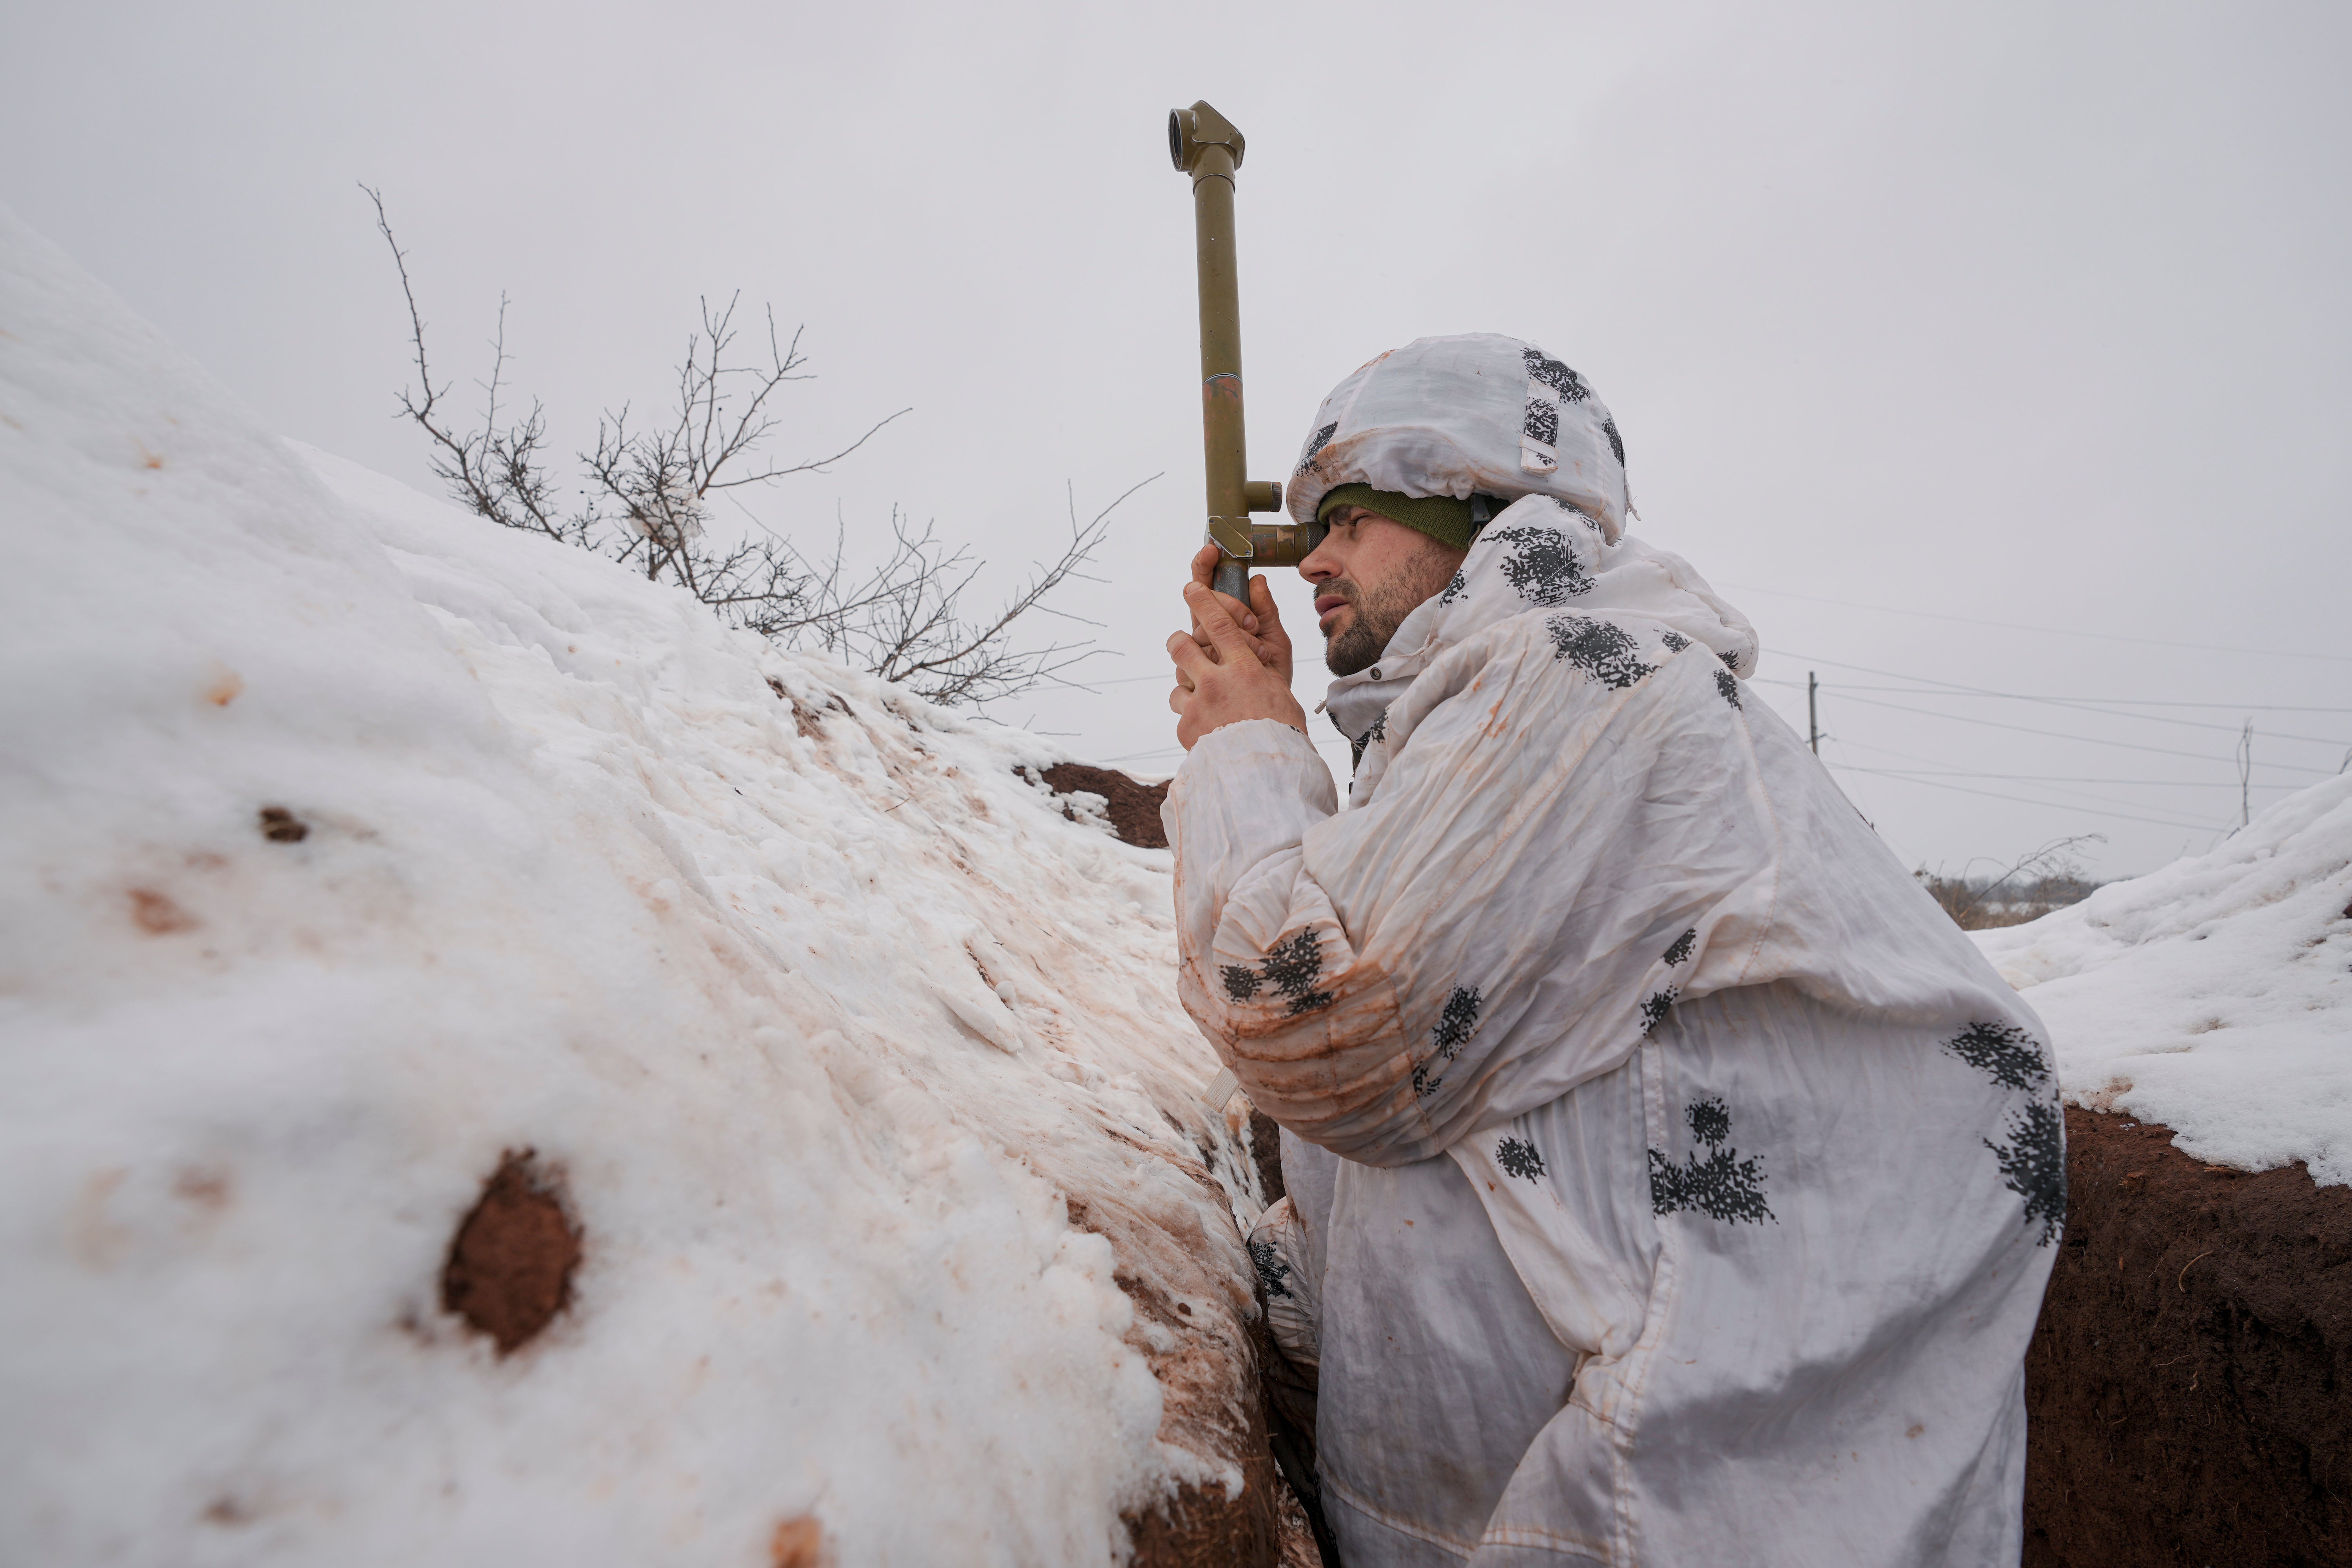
(1209,1377)
(1134,807)
(510,1263)
(1202,1528)
(1265,1153)
(804,719)
(2188,1385)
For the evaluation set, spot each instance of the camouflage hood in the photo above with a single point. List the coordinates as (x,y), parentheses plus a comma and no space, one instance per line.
(1542,555)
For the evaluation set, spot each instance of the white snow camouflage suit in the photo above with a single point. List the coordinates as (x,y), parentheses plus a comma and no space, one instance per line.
(1672,1183)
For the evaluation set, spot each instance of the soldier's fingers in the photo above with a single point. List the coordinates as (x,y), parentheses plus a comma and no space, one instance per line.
(1204,572)
(1217,623)
(1191,657)
(1262,603)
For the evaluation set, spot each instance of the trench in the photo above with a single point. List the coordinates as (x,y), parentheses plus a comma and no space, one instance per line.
(2185,1385)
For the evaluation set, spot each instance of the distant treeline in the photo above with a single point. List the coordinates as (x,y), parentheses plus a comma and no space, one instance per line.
(1980,903)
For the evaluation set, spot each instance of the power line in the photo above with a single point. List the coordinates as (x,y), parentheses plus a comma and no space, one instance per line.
(2046,804)
(2053,784)
(2058,785)
(2053,631)
(2114,701)
(2088,740)
(1954,689)
(2066,778)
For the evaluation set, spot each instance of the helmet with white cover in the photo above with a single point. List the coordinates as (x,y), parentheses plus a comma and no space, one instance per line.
(1474,415)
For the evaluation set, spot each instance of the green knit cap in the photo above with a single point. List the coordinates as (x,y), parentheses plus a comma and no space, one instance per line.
(1449,520)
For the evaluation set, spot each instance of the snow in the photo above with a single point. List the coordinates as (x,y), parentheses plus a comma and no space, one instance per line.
(830,1022)
(2213,996)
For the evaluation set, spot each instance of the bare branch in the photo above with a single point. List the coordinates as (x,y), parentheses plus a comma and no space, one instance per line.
(814,465)
(648,508)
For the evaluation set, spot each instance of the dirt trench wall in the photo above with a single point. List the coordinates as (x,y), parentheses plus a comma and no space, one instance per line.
(1209,1354)
(2190,1387)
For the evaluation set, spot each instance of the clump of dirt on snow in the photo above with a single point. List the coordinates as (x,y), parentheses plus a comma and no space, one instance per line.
(510,1263)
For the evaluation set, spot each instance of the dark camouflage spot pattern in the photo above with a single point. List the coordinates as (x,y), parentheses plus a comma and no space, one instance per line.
(1454,1027)
(1601,650)
(1723,1186)
(1320,439)
(1291,968)
(2033,1165)
(2033,1162)
(1542,565)
(1518,1158)
(1542,368)
(1272,1272)
(2003,1052)
(1363,742)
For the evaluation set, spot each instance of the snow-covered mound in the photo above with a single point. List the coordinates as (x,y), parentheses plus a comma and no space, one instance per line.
(352,844)
(2215,995)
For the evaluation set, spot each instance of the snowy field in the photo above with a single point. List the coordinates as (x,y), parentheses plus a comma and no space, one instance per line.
(354,844)
(2214,995)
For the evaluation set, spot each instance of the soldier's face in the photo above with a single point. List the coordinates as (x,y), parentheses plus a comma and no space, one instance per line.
(1369,573)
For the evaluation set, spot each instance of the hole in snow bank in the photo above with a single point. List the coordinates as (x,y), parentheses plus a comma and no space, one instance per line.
(280,825)
(510,1263)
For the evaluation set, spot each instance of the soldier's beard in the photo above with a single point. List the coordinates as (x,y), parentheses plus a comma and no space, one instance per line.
(1383,608)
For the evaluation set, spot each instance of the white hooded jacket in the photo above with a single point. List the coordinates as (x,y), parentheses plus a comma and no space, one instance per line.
(1671,1181)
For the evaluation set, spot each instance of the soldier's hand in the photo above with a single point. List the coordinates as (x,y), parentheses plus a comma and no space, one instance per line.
(1221,676)
(1259,617)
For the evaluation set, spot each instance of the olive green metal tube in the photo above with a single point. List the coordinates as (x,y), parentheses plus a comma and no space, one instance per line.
(1205,145)
(1224,440)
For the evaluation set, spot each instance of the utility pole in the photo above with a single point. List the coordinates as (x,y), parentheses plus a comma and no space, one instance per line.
(2245,774)
(1813,710)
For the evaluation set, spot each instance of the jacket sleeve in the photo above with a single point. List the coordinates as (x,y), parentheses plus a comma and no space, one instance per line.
(1547,862)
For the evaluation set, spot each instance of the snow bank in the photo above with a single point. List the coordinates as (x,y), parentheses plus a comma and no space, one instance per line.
(2215,995)
(860,1062)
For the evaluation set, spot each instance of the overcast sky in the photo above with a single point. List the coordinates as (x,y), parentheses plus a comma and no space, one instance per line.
(2000,346)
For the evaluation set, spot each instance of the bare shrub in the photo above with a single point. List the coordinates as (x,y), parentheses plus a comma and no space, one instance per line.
(2048,879)
(650,493)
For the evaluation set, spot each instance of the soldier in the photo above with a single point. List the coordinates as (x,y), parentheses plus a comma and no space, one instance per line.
(1671,1181)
